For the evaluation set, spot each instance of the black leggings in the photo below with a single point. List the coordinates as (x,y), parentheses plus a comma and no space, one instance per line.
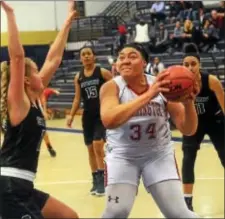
(191,144)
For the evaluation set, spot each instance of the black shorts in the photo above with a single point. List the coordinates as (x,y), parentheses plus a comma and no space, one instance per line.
(93,128)
(214,128)
(19,199)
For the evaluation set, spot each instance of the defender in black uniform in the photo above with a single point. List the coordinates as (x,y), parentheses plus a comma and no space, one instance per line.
(210,108)
(24,127)
(87,86)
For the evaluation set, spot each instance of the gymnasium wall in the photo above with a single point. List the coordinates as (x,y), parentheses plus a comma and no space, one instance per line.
(39,21)
(96,7)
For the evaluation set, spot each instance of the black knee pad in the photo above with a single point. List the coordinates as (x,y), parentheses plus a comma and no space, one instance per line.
(189,157)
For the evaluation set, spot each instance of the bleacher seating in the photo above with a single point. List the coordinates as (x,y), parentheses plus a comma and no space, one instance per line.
(212,62)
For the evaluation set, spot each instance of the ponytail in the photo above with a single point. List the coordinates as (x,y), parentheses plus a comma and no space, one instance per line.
(5,77)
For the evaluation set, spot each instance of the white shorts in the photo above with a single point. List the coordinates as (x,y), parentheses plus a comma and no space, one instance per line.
(152,169)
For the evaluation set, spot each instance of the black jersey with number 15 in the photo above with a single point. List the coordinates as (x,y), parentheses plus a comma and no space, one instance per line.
(21,145)
(90,87)
(206,103)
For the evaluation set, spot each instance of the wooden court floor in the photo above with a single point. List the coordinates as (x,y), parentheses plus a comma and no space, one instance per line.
(68,178)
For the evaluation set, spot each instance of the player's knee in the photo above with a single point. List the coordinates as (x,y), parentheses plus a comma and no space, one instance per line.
(98,148)
(119,212)
(189,157)
(188,163)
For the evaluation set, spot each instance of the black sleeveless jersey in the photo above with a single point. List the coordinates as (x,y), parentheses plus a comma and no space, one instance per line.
(90,87)
(206,103)
(21,145)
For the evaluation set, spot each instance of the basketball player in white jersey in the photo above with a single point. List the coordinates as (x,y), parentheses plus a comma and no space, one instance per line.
(135,114)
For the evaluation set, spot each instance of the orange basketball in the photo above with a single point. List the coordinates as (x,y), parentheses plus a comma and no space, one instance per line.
(182,82)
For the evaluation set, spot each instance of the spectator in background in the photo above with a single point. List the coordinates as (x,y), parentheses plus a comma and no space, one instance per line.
(142,34)
(177,36)
(201,17)
(218,22)
(175,8)
(157,11)
(186,10)
(46,94)
(130,35)
(210,36)
(196,5)
(156,68)
(162,40)
(122,30)
(188,31)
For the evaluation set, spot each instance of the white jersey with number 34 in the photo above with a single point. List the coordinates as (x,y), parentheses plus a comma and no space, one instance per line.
(147,131)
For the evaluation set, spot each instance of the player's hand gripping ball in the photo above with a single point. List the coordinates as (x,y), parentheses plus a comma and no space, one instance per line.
(182,82)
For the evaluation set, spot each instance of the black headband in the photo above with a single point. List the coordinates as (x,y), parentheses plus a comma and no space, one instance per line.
(139,48)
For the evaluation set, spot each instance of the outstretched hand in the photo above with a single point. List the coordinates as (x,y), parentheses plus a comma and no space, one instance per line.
(72,13)
(7,8)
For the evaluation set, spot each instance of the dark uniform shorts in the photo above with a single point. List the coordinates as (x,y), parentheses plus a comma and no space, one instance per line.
(93,128)
(19,199)
(214,128)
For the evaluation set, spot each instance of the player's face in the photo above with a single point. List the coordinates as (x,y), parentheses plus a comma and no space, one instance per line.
(33,80)
(87,57)
(193,64)
(130,63)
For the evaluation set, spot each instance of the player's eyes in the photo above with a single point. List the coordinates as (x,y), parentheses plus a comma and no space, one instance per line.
(133,56)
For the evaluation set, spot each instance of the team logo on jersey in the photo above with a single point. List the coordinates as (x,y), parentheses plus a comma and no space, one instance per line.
(202,99)
(89,83)
(151,109)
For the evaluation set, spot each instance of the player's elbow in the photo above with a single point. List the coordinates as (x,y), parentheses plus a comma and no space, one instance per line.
(108,121)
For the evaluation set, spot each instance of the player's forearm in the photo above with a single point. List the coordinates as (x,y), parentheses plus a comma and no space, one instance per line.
(75,107)
(118,115)
(15,47)
(57,48)
(190,121)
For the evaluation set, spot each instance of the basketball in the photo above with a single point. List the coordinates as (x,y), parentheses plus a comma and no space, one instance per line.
(182,82)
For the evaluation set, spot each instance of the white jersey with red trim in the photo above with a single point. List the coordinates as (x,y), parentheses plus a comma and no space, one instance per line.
(147,131)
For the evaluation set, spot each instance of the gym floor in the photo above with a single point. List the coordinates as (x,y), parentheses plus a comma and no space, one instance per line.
(68,177)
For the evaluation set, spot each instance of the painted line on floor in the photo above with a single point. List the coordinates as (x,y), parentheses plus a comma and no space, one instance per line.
(89,181)
(77,131)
